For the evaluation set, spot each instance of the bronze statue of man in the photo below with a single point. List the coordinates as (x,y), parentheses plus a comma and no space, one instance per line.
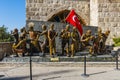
(34,36)
(45,43)
(85,40)
(15,34)
(65,38)
(99,41)
(23,33)
(107,32)
(102,39)
(51,37)
(74,44)
(20,47)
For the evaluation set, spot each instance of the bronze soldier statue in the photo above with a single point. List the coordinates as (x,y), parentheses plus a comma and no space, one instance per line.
(77,40)
(45,44)
(16,40)
(34,36)
(20,47)
(23,33)
(85,41)
(65,37)
(51,37)
(15,34)
(105,48)
(107,34)
(96,42)
(75,43)
(99,41)
(102,40)
(22,41)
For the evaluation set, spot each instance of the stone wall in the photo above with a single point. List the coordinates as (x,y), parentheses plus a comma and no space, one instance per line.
(101,13)
(109,17)
(42,10)
(5,49)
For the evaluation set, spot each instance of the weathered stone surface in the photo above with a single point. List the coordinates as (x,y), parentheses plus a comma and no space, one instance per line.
(109,11)
(45,7)
(5,49)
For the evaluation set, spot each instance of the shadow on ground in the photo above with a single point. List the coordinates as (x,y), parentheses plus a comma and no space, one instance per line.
(39,75)
(98,73)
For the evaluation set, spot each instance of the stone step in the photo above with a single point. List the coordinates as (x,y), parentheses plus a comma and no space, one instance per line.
(59,64)
(100,58)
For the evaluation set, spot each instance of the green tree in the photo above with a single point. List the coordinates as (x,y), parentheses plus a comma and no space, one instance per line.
(4,35)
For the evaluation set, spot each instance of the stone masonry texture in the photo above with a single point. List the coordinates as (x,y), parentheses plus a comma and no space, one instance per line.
(107,12)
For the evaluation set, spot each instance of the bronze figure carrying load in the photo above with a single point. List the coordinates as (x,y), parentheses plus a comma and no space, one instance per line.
(85,41)
(99,41)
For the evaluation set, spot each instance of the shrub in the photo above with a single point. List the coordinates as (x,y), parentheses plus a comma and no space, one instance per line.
(116,41)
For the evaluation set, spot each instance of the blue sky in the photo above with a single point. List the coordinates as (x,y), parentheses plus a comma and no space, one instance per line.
(12,13)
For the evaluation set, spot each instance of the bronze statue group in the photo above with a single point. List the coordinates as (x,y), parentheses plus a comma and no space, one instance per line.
(71,41)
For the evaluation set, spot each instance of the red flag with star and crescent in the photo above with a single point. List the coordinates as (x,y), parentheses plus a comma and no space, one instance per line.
(73,20)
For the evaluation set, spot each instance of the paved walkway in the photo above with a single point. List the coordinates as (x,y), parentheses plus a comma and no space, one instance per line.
(58,73)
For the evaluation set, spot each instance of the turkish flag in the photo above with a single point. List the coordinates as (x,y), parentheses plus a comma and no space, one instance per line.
(73,20)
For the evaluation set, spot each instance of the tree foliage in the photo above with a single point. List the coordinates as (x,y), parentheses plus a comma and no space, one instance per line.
(4,35)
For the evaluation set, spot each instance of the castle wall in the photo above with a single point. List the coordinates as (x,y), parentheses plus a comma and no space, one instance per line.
(109,17)
(100,13)
(40,10)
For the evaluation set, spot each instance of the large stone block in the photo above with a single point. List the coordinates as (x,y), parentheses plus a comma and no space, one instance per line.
(106,19)
(101,19)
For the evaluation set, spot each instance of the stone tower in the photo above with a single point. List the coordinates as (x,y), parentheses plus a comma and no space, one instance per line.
(100,13)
